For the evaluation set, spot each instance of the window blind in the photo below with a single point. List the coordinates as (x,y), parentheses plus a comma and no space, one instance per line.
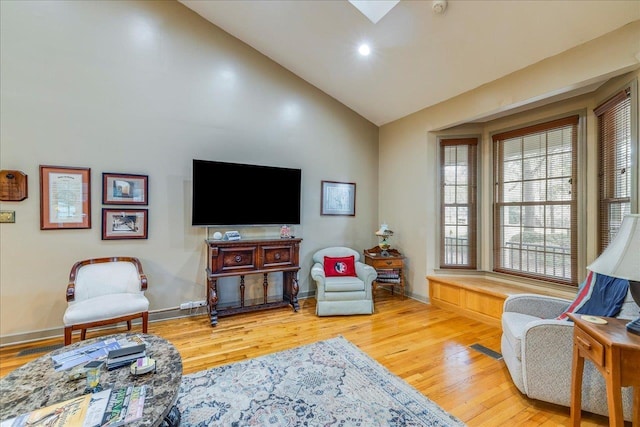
(614,158)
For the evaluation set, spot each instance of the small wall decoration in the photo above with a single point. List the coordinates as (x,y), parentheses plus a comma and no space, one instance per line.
(124,224)
(8,217)
(65,197)
(338,198)
(121,189)
(13,186)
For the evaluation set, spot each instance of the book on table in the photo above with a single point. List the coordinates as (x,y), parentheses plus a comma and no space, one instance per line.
(125,356)
(388,276)
(388,272)
(383,280)
(111,407)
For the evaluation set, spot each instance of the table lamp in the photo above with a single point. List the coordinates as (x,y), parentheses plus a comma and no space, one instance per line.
(384,233)
(621,259)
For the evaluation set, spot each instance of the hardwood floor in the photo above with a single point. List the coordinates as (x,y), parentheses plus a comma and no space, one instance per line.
(426,346)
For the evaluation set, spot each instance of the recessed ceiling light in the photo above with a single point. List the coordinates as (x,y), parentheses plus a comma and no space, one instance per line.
(364,49)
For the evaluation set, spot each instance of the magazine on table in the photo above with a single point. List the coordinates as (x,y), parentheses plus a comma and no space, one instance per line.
(95,351)
(69,413)
(111,407)
(97,406)
(125,405)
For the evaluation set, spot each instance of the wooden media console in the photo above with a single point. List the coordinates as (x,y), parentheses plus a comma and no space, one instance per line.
(238,258)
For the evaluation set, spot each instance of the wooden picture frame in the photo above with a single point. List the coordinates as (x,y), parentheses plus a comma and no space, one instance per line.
(119,224)
(124,189)
(65,197)
(338,198)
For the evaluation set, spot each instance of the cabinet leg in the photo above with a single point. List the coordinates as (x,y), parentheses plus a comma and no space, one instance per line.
(265,285)
(212,300)
(294,293)
(241,291)
(290,289)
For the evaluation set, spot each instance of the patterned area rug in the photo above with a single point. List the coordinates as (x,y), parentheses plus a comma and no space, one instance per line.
(328,383)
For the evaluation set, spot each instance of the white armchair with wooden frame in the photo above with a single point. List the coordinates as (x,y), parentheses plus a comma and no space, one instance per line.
(105,291)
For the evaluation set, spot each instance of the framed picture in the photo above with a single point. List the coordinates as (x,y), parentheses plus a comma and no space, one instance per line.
(65,197)
(124,224)
(338,198)
(120,189)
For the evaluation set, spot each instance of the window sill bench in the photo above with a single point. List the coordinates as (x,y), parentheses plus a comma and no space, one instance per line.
(481,298)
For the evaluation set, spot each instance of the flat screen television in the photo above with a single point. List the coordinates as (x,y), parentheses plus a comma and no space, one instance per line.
(226,194)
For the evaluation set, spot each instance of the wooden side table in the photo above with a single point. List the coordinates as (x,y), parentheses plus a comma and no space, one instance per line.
(616,354)
(390,268)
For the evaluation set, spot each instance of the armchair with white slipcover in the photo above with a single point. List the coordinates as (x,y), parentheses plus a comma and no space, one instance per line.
(343,294)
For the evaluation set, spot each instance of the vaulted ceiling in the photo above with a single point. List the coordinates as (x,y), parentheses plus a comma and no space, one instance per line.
(418,57)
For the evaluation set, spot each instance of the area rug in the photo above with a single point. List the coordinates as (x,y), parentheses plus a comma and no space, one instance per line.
(327,383)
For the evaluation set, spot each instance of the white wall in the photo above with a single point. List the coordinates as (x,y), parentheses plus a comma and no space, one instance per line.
(408,147)
(144,87)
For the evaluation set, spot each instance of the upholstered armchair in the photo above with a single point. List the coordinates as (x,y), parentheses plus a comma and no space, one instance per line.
(104,291)
(538,350)
(342,294)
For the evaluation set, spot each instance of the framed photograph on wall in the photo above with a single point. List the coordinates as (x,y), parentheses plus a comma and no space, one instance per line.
(338,198)
(65,197)
(121,189)
(124,224)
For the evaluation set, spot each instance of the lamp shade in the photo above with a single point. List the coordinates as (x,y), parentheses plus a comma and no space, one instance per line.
(621,258)
(384,231)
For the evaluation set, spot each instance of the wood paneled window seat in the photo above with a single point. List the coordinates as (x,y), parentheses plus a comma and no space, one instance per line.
(482,297)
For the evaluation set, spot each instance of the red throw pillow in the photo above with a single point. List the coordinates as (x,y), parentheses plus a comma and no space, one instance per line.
(343,266)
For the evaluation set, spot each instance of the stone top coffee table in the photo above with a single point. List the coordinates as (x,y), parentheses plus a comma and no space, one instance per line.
(36,384)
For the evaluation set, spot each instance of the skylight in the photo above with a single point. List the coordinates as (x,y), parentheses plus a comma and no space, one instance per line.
(375,10)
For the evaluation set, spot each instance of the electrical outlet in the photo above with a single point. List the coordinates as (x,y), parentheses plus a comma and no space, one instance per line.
(185,305)
(202,303)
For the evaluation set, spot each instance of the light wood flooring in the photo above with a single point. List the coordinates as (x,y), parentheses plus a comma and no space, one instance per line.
(426,346)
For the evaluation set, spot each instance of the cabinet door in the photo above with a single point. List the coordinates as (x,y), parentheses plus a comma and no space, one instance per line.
(236,259)
(278,256)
